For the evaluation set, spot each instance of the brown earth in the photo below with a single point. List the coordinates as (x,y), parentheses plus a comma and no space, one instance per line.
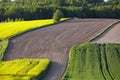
(54,42)
(112,35)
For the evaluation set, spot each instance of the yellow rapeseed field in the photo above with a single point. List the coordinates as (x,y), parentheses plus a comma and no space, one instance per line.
(25,69)
(7,30)
(10,29)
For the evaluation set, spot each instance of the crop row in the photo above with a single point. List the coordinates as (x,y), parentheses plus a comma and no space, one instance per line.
(91,61)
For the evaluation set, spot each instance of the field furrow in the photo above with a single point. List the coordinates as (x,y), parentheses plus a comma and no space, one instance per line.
(101,64)
(54,42)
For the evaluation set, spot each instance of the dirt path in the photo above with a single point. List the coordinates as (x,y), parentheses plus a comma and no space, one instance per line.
(54,42)
(112,35)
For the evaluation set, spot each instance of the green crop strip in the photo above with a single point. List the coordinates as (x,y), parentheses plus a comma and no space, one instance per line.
(92,61)
(3,46)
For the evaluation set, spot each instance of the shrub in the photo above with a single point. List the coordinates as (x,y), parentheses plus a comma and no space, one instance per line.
(57,15)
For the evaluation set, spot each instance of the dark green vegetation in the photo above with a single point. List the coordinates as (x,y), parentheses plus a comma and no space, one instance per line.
(41,9)
(3,46)
(57,15)
(92,61)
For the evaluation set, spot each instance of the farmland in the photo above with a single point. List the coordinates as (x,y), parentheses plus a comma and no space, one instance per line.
(54,42)
(93,61)
(85,47)
(25,69)
(112,35)
(11,29)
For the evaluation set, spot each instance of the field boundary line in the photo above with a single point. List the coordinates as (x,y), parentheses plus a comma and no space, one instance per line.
(104,30)
(65,71)
(68,60)
(39,27)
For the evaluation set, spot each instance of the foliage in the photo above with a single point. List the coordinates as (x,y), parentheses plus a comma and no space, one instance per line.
(43,9)
(25,69)
(3,46)
(91,61)
(57,16)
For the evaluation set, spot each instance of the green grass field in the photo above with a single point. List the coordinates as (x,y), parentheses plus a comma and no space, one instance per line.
(92,61)
(26,69)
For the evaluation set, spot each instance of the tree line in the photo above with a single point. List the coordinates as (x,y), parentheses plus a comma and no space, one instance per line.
(43,9)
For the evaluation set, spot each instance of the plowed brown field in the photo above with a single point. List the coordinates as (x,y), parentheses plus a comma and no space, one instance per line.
(54,42)
(112,35)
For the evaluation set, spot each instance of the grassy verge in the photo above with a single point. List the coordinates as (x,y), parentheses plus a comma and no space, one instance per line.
(93,61)
(3,46)
(26,69)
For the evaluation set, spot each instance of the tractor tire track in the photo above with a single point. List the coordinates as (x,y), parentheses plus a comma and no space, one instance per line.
(101,66)
(106,62)
(104,67)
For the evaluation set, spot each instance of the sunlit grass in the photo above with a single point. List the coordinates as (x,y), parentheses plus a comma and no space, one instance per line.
(3,46)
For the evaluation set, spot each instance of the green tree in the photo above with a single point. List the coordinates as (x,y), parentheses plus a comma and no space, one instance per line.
(57,2)
(57,15)
(95,1)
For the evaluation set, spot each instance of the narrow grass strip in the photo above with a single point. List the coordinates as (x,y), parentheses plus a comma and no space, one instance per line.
(102,32)
(3,46)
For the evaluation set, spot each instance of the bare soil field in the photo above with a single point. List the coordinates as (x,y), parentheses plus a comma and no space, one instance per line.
(54,42)
(112,35)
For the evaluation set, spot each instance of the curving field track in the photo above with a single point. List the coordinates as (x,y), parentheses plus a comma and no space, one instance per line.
(112,35)
(54,42)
